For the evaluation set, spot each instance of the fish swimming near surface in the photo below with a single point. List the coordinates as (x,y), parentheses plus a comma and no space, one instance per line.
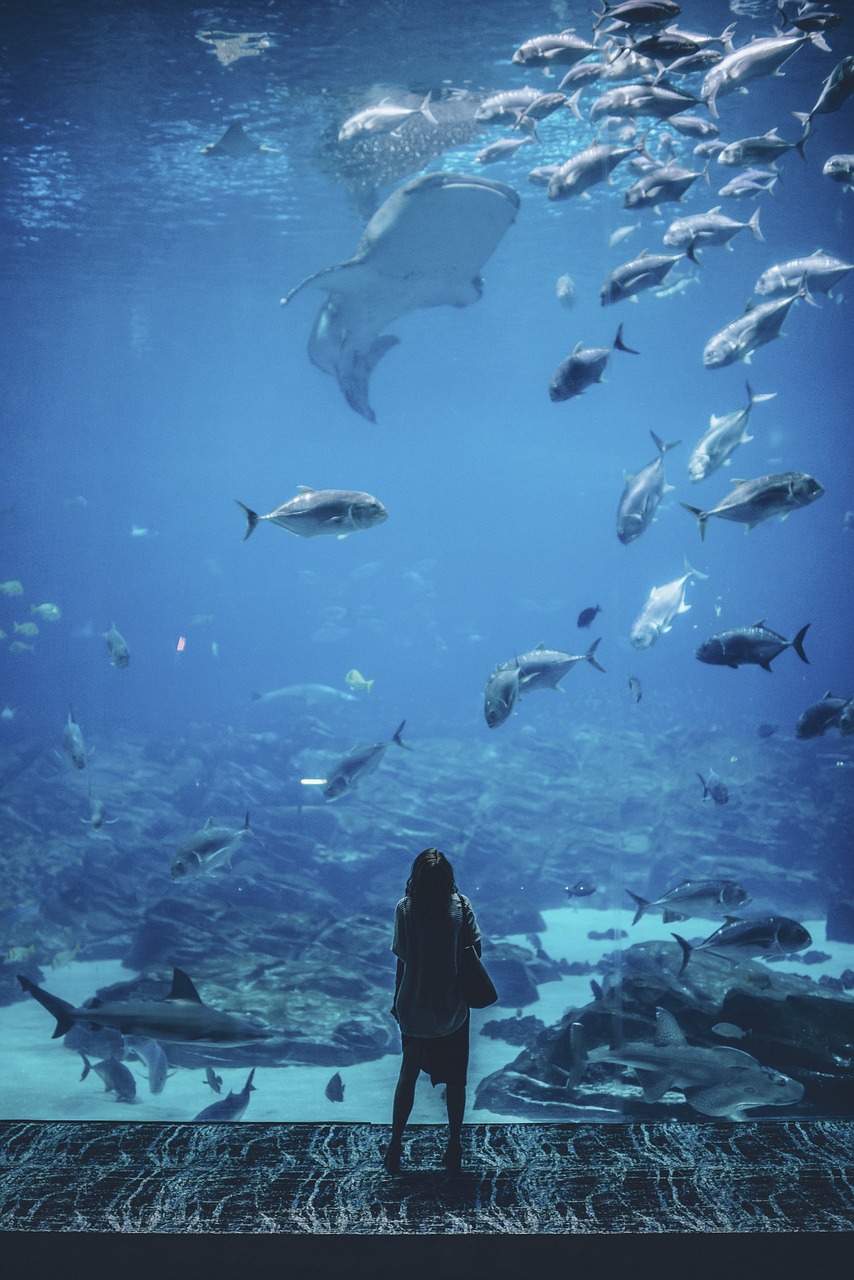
(724,435)
(746,646)
(72,742)
(749,502)
(363,760)
(544,668)
(818,271)
(584,367)
(693,898)
(152,1054)
(715,787)
(424,247)
(181,1017)
(717,1080)
(760,324)
(587,615)
(209,848)
(335,1088)
(501,694)
(663,605)
(750,939)
(642,494)
(115,1075)
(313,512)
(820,716)
(117,646)
(232,1106)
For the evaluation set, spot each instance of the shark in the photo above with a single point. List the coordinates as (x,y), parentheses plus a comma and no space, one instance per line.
(182,1017)
(717,1081)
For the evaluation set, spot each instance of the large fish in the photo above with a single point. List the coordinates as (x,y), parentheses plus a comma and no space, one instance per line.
(819,272)
(758,58)
(321,511)
(836,90)
(181,1017)
(501,694)
(72,742)
(361,761)
(666,184)
(208,849)
(589,167)
(544,668)
(717,1080)
(424,247)
(749,502)
(641,100)
(760,323)
(664,603)
(583,368)
(840,168)
(563,49)
(821,716)
(643,272)
(693,898)
(749,646)
(642,494)
(746,939)
(386,117)
(762,148)
(724,435)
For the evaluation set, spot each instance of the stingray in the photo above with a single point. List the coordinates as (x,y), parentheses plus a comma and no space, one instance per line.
(235,142)
(424,247)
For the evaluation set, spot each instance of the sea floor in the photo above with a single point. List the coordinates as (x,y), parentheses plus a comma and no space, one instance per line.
(40,1078)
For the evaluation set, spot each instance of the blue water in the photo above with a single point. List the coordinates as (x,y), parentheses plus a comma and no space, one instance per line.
(151,378)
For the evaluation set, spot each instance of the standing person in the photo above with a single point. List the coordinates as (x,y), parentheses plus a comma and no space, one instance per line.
(432,922)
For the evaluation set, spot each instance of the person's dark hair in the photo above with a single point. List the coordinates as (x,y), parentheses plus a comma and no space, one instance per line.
(431,882)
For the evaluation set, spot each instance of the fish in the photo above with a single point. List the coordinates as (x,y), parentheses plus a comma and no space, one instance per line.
(587,615)
(712,228)
(587,168)
(762,148)
(761,57)
(694,126)
(760,937)
(674,43)
(713,786)
(544,668)
(97,812)
(643,272)
(231,1107)
(846,719)
(583,888)
(694,898)
(311,694)
(229,48)
(335,1088)
(364,759)
(819,272)
(20,646)
(424,247)
(820,716)
(47,612)
(729,1031)
(213,1079)
(313,512)
(11,588)
(749,502)
(835,91)
(749,184)
(583,368)
(717,1080)
(500,695)
(841,169)
(180,1018)
(355,680)
(635,688)
(642,494)
(760,324)
(117,646)
(500,150)
(504,107)
(72,742)
(666,184)
(565,290)
(724,435)
(28,629)
(236,143)
(622,233)
(664,603)
(209,848)
(544,105)
(749,646)
(638,12)
(152,1054)
(387,116)
(564,49)
(641,100)
(766,730)
(115,1075)
(809,17)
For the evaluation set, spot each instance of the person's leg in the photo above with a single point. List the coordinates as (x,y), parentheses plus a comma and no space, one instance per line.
(404,1097)
(455,1100)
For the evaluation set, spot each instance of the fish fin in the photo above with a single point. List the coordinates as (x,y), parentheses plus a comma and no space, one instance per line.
(59,1009)
(183,989)
(654,1083)
(619,345)
(705,788)
(766,666)
(798,644)
(690,569)
(425,111)
(667,1029)
(701,516)
(642,904)
(252,518)
(686,951)
(589,655)
(397,738)
(669,916)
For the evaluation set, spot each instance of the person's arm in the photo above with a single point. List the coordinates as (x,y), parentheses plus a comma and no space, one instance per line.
(398,978)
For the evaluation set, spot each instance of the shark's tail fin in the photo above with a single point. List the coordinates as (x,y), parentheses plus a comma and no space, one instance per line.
(686,952)
(590,658)
(59,1009)
(641,903)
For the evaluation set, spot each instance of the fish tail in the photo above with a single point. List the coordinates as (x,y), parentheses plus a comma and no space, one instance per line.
(425,111)
(701,516)
(661,445)
(252,519)
(691,255)
(572,103)
(642,904)
(753,223)
(754,397)
(59,1009)
(798,644)
(87,1065)
(686,952)
(689,568)
(589,655)
(397,738)
(621,346)
(705,788)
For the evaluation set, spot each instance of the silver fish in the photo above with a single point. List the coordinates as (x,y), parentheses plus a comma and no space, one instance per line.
(758,58)
(386,117)
(151,1053)
(361,761)
(749,646)
(321,511)
(311,694)
(836,90)
(503,108)
(819,272)
(664,603)
(749,184)
(643,272)
(642,494)
(589,167)
(500,695)
(664,185)
(712,228)
(544,668)
(564,49)
(72,742)
(583,368)
(641,100)
(693,898)
(115,1075)
(117,645)
(760,324)
(500,150)
(230,1107)
(762,148)
(638,12)
(750,502)
(821,716)
(715,787)
(743,939)
(208,849)
(841,169)
(723,437)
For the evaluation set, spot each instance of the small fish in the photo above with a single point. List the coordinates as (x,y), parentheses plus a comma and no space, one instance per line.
(746,939)
(335,1088)
(744,646)
(565,291)
(729,1031)
(117,645)
(339,512)
(587,615)
(19,646)
(232,1106)
(635,688)
(213,1079)
(115,1075)
(766,730)
(72,742)
(47,612)
(621,234)
(209,848)
(355,680)
(25,628)
(581,889)
(11,588)
(714,787)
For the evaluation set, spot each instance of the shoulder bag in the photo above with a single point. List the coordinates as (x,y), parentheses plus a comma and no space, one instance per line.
(478,988)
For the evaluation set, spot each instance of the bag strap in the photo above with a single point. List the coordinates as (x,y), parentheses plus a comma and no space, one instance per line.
(467,929)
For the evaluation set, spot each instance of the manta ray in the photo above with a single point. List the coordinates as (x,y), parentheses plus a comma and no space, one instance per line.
(424,247)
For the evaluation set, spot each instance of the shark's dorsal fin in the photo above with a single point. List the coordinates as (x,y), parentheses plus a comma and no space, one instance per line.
(667,1030)
(183,989)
